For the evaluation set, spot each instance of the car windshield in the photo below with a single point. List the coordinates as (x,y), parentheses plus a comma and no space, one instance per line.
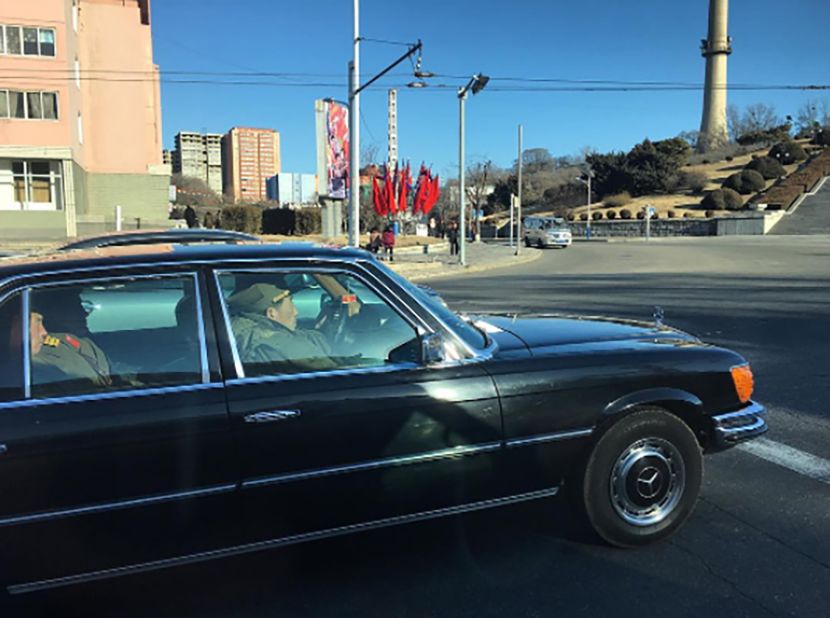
(468,333)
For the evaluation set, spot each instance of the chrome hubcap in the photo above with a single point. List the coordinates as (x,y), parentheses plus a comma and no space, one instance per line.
(647,481)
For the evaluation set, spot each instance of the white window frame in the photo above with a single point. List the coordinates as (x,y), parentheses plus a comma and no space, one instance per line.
(55,178)
(26,115)
(5,49)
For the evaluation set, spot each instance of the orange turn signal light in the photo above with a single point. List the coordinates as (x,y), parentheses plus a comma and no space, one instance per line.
(744,382)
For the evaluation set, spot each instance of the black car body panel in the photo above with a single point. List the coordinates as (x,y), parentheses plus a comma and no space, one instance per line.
(103,484)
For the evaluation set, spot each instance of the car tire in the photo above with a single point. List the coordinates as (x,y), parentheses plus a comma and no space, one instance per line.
(642,478)
(527,241)
(540,244)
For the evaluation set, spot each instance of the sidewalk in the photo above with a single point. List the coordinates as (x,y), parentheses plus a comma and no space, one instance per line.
(413,264)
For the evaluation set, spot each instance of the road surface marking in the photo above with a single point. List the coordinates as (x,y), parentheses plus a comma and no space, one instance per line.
(789,457)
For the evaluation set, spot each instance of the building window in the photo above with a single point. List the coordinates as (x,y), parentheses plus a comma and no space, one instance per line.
(47,42)
(13,40)
(35,185)
(31,105)
(27,40)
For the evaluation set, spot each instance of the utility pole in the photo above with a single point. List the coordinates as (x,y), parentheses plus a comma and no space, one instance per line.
(476,84)
(519,201)
(462,241)
(354,135)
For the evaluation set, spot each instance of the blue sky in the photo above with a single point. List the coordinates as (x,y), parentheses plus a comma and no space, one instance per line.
(639,40)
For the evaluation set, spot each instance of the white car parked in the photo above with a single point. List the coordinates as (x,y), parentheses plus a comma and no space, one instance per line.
(547,232)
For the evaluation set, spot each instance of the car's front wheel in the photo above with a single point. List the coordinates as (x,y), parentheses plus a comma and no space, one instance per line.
(642,478)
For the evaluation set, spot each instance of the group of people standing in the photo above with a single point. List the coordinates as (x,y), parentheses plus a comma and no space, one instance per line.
(385,241)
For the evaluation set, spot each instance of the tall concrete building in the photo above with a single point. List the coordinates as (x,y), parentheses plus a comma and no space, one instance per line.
(249,157)
(199,156)
(716,49)
(73,148)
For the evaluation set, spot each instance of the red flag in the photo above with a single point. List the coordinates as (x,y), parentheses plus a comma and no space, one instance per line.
(377,200)
(404,181)
(434,192)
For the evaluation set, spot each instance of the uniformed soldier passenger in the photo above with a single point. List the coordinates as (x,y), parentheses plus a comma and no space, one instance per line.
(264,322)
(60,357)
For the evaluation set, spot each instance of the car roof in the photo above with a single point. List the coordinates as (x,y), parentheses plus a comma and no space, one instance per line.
(121,256)
(148,237)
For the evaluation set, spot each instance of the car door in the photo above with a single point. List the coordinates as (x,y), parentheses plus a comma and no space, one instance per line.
(115,445)
(381,436)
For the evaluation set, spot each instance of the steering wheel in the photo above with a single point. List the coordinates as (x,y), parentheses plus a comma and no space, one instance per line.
(332,320)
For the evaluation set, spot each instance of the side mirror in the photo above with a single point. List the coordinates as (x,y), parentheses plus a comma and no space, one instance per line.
(432,349)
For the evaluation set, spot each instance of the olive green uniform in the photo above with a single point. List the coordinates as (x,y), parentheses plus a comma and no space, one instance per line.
(66,358)
(271,346)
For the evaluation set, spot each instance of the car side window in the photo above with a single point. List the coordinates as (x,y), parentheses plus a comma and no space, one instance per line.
(320,321)
(11,349)
(113,335)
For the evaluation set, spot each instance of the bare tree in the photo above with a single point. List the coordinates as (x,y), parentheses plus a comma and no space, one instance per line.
(369,154)
(761,117)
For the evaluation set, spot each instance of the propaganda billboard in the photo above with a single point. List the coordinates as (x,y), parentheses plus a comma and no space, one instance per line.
(333,147)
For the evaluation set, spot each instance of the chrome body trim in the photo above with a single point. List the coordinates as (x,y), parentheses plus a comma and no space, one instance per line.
(271,417)
(226,318)
(309,375)
(280,542)
(389,462)
(744,424)
(145,392)
(27,372)
(200,316)
(223,263)
(360,275)
(26,326)
(550,437)
(116,506)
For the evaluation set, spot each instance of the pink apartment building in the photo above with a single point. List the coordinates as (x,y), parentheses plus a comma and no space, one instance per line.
(79,134)
(249,158)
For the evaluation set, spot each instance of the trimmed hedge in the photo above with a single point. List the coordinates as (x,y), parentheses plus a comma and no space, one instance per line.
(625,213)
(722,199)
(242,218)
(745,182)
(596,215)
(611,214)
(787,152)
(292,222)
(768,167)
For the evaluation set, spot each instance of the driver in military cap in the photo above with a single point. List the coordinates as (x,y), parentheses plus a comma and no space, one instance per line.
(264,321)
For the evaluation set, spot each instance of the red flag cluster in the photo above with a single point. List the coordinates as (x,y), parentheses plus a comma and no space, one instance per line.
(390,191)
(426,192)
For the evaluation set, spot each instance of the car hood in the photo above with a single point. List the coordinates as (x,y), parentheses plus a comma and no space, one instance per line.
(560,330)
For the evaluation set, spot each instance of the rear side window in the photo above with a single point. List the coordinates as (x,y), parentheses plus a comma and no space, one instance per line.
(11,349)
(114,335)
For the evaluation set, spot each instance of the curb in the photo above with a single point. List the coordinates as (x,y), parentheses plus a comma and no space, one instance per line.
(445,270)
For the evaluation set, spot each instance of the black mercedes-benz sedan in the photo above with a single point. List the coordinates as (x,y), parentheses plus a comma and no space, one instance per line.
(167,404)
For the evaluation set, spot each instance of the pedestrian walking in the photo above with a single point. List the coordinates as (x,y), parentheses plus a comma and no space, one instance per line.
(389,243)
(452,236)
(375,243)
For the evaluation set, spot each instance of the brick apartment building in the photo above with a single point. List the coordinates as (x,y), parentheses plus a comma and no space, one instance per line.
(74,142)
(249,158)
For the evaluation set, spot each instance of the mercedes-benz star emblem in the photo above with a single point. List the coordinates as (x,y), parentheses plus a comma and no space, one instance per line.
(648,482)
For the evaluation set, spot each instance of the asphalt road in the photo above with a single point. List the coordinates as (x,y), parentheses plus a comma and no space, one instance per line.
(757,545)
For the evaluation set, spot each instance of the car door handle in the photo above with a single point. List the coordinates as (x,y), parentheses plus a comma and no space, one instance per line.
(271,417)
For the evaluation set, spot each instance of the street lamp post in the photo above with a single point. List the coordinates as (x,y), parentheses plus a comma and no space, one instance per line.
(476,84)
(589,174)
